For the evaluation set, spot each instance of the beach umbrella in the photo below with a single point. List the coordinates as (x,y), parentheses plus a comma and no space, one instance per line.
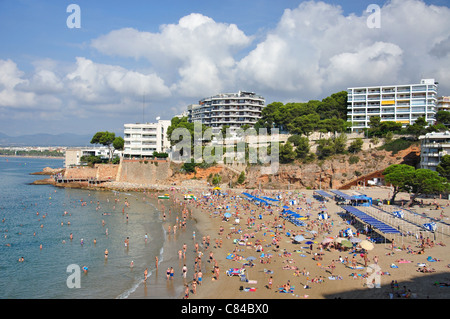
(299,238)
(251,258)
(367,245)
(309,242)
(346,243)
(339,239)
(227,215)
(355,240)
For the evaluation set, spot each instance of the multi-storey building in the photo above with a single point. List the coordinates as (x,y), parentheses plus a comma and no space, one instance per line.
(232,109)
(443,103)
(433,146)
(142,139)
(399,103)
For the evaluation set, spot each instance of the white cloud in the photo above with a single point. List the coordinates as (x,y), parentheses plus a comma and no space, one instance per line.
(101,83)
(314,51)
(196,54)
(10,78)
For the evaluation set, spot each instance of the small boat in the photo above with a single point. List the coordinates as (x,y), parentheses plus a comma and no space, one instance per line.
(165,196)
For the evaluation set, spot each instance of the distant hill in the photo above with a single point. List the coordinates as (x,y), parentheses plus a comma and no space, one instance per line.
(65,139)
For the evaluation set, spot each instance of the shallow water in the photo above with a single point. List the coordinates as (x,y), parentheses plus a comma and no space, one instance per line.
(43,274)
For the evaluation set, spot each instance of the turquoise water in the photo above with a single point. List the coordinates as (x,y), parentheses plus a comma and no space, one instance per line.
(43,273)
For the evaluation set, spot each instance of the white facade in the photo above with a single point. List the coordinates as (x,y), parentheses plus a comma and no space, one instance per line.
(73,155)
(141,140)
(433,146)
(232,109)
(399,103)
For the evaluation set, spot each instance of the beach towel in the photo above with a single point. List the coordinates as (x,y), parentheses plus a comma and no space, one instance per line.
(430,259)
(335,278)
(230,256)
(249,289)
(284,291)
(357,267)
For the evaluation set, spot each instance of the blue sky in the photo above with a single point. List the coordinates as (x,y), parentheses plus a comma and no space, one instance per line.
(54,79)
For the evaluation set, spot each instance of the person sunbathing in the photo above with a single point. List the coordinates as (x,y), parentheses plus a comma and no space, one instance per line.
(425,269)
(287,267)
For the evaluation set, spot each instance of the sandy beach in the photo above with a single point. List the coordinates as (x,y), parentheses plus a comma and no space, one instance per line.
(311,270)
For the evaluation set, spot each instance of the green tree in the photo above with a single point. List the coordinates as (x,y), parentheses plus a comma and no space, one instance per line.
(241,178)
(426,181)
(443,167)
(418,128)
(287,154)
(302,147)
(305,124)
(118,143)
(105,138)
(216,179)
(339,143)
(325,148)
(421,181)
(189,167)
(356,145)
(443,117)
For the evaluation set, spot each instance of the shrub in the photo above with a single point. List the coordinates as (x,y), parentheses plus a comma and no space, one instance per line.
(353,159)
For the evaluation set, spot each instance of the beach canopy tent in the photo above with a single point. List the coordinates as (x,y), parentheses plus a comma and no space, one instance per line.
(323,215)
(375,223)
(361,200)
(271,199)
(322,195)
(340,196)
(256,199)
(354,200)
(430,226)
(399,214)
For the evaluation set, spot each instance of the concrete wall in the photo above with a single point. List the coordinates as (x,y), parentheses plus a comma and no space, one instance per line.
(99,171)
(80,172)
(144,171)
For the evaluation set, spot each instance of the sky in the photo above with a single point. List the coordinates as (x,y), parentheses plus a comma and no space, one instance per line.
(132,61)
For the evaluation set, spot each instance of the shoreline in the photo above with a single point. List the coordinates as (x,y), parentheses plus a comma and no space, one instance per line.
(34,156)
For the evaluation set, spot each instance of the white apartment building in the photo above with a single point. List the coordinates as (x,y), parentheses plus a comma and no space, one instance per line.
(232,109)
(73,155)
(433,146)
(443,103)
(142,139)
(399,103)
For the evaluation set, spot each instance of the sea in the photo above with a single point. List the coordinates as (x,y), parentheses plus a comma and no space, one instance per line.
(38,221)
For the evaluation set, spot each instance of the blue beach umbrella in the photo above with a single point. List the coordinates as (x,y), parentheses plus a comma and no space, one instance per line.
(227,215)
